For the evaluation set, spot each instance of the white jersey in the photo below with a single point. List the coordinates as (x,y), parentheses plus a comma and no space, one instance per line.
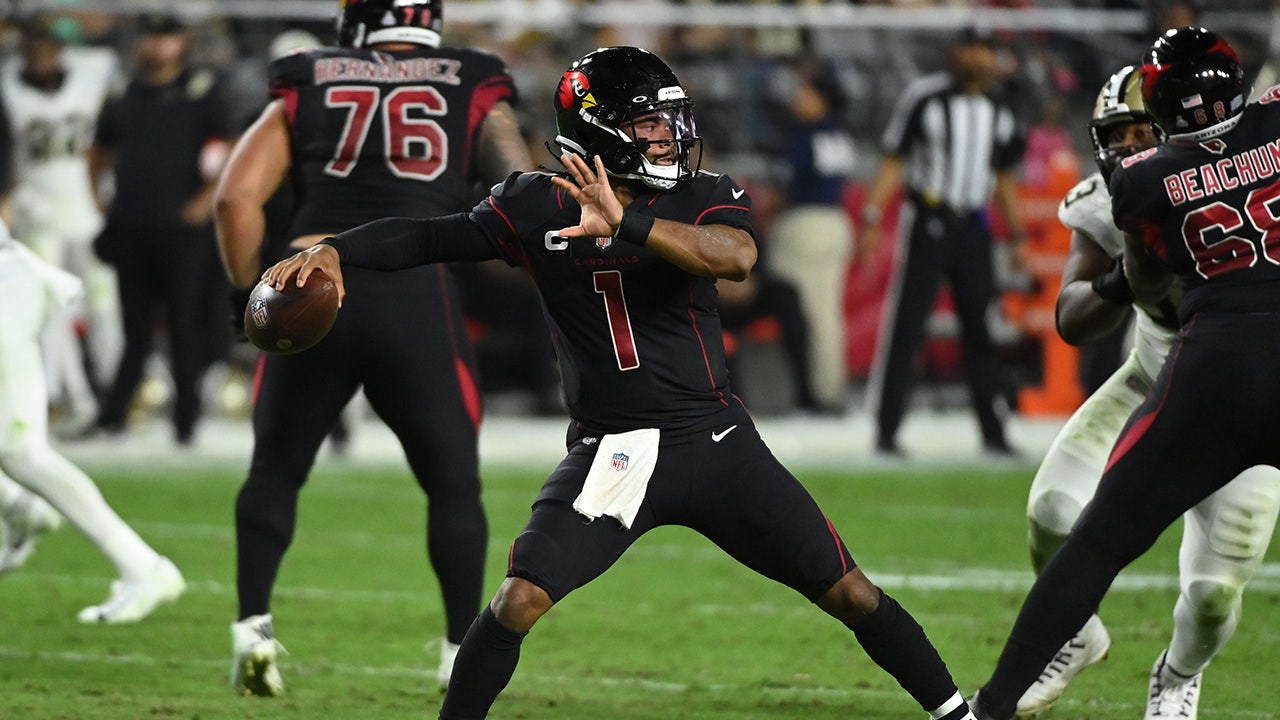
(31,290)
(1087,210)
(52,132)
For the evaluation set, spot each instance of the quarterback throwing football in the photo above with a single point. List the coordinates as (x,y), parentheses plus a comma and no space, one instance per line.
(625,248)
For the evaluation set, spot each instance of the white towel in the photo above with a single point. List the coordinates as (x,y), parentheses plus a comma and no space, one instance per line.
(619,476)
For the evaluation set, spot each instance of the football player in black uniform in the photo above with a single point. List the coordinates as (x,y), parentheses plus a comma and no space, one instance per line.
(625,249)
(1204,204)
(386,124)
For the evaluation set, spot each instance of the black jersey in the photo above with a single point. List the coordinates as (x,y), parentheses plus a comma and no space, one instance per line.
(363,122)
(1211,210)
(638,339)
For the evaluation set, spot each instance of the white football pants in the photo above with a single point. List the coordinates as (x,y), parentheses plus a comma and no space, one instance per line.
(27,458)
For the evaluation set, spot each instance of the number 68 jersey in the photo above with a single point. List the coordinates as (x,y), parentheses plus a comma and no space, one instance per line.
(1210,208)
(363,122)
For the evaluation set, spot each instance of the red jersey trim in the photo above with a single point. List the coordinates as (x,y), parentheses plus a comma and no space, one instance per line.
(514,249)
(1144,423)
(486,95)
(706,359)
(698,221)
(290,97)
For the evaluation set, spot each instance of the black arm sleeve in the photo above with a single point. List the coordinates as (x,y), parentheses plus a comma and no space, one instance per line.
(398,243)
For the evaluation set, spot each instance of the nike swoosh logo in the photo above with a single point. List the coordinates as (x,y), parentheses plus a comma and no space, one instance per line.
(718,436)
(737,194)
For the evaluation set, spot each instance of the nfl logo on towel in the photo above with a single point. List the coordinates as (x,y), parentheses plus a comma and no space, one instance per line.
(620,461)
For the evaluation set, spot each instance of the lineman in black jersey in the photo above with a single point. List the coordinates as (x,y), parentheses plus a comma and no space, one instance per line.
(657,436)
(1202,204)
(386,124)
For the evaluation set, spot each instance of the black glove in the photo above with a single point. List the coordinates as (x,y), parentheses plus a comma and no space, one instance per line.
(1112,285)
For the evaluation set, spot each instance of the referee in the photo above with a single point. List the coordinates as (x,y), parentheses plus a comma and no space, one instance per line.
(953,143)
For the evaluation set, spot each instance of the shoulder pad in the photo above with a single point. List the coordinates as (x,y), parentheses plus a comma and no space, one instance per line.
(489,62)
(1087,209)
(1138,157)
(520,182)
(720,189)
(1270,95)
(293,69)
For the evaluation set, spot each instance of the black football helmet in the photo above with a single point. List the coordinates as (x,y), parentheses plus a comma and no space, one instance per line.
(1119,103)
(364,22)
(606,94)
(1192,83)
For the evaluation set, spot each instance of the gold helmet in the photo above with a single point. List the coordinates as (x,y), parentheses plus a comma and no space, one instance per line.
(1119,103)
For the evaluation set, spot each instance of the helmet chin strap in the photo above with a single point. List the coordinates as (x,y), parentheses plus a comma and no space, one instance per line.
(658,177)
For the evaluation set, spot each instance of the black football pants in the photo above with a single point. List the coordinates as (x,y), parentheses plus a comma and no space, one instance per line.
(1213,413)
(400,336)
(939,245)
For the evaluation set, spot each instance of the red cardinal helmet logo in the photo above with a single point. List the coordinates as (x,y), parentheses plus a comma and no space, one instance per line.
(573,85)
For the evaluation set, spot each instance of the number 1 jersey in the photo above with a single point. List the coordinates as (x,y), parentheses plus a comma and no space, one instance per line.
(639,340)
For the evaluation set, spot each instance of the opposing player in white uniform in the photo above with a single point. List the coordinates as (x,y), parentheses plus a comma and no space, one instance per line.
(1225,536)
(32,293)
(52,96)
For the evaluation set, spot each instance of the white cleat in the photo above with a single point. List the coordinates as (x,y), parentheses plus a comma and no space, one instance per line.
(1171,696)
(23,523)
(254,670)
(444,671)
(133,600)
(1089,646)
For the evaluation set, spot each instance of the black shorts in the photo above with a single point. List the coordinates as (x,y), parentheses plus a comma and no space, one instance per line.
(733,492)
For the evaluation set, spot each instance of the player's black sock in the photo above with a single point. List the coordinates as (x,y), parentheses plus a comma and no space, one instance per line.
(896,642)
(457,539)
(265,516)
(486,660)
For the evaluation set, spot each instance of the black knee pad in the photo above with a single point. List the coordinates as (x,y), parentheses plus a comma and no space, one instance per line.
(536,556)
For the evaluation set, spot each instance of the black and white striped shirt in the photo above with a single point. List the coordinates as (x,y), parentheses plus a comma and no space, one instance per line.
(952,142)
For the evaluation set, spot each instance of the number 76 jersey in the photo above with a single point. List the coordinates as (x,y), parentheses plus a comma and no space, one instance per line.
(1210,208)
(379,134)
(638,339)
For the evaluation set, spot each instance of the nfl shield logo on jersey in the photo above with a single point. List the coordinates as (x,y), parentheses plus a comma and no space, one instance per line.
(604,242)
(620,461)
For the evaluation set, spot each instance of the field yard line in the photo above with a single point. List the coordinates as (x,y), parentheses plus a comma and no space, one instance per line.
(521,678)
(1267,581)
(934,439)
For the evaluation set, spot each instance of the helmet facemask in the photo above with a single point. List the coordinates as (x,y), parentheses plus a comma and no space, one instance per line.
(653,143)
(1119,104)
(625,105)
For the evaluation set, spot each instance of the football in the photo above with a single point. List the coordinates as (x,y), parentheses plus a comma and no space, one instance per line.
(294,319)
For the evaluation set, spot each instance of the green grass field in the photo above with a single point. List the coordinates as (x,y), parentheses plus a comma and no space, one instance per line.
(675,630)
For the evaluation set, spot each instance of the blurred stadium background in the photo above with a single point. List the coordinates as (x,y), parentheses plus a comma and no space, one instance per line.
(740,61)
(357,596)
